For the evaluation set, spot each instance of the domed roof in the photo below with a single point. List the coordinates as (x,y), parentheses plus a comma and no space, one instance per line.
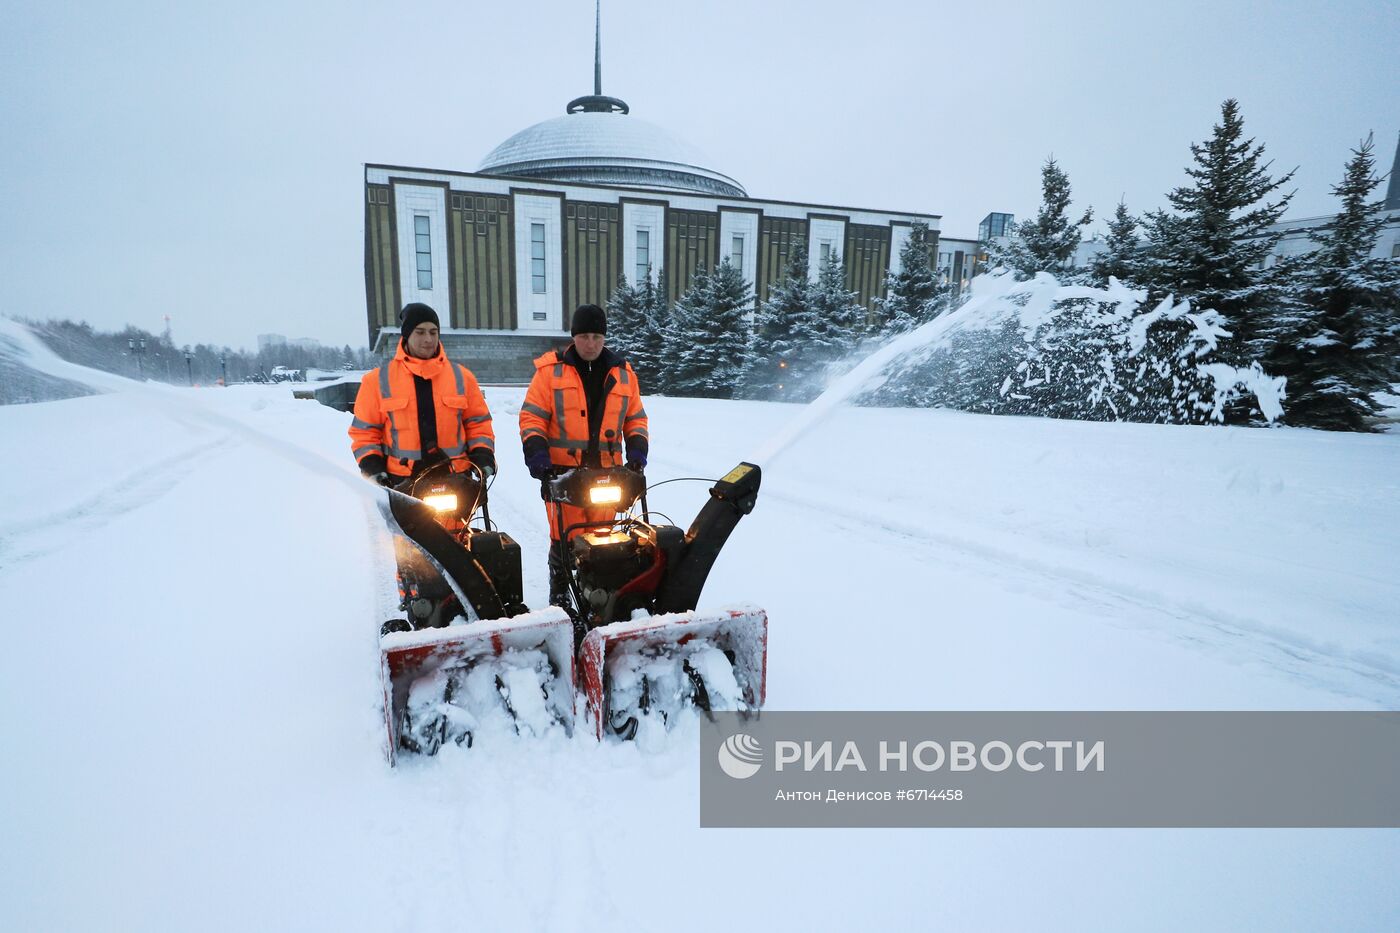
(608,147)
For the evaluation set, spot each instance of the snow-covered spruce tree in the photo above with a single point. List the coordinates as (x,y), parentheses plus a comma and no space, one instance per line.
(709,335)
(627,322)
(650,362)
(838,317)
(656,310)
(1080,352)
(633,329)
(914,294)
(1209,250)
(1338,338)
(1047,243)
(1122,259)
(771,367)
(1108,357)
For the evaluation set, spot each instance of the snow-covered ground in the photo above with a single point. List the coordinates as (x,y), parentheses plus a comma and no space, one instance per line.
(191,582)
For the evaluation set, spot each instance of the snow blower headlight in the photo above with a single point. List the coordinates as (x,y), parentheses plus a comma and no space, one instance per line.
(442,502)
(604,495)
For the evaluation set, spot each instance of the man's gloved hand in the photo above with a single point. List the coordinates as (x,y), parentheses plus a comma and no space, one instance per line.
(636,454)
(485,461)
(537,457)
(376,469)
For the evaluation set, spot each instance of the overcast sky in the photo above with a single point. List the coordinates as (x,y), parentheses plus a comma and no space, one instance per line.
(206,161)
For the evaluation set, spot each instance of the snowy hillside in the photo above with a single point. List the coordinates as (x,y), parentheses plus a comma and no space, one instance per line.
(192,580)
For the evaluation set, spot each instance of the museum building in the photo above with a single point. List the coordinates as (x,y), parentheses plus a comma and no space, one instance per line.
(554,215)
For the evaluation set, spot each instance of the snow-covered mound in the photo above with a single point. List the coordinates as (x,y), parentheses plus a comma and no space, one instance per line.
(192,582)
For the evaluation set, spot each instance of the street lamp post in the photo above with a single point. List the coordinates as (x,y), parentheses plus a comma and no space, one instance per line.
(189,365)
(137,345)
(223,369)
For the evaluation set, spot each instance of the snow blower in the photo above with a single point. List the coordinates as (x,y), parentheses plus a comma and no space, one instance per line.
(501,666)
(644,649)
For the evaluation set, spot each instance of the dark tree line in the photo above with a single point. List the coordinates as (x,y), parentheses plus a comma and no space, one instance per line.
(716,341)
(141,354)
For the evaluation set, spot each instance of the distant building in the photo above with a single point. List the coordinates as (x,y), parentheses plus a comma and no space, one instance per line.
(269,341)
(995,227)
(553,216)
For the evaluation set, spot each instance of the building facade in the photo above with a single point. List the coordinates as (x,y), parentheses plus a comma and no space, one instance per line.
(554,216)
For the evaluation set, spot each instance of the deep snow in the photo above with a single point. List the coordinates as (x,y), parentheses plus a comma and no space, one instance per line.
(193,579)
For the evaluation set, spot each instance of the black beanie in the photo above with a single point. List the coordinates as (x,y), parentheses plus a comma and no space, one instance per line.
(413,315)
(589,319)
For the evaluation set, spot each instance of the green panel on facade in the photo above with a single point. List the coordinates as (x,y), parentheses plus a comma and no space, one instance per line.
(777,238)
(483,239)
(691,244)
(379,259)
(867,253)
(592,252)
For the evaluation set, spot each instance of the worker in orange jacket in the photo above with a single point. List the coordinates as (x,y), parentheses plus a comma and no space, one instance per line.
(583,409)
(420,409)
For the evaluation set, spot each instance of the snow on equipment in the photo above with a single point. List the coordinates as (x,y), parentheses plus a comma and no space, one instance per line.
(644,649)
(508,668)
(469,658)
(448,684)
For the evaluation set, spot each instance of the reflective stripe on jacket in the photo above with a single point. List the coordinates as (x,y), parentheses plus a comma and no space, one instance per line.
(386,412)
(556,409)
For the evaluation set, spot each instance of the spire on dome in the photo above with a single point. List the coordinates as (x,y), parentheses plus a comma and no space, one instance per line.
(597,102)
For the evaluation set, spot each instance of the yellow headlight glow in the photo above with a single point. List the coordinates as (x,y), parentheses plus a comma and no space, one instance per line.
(605,495)
(443,502)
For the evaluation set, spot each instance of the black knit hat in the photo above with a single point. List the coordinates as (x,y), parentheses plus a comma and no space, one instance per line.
(589,319)
(414,314)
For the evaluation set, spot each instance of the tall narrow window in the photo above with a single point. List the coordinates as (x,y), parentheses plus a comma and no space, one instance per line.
(736,253)
(537,280)
(643,256)
(423,246)
(826,249)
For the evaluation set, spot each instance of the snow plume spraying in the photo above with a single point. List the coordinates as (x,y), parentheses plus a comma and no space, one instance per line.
(990,302)
(1067,351)
(21,349)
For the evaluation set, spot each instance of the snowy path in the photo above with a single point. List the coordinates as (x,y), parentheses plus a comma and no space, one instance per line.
(190,691)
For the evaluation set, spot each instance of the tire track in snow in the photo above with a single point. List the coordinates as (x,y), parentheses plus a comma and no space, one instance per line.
(1373,679)
(24,541)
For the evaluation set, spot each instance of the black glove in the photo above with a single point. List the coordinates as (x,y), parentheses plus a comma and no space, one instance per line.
(485,461)
(544,489)
(383,479)
(373,464)
(537,457)
(636,454)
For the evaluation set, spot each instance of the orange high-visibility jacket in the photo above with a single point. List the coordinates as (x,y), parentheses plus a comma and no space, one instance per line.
(556,409)
(386,412)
